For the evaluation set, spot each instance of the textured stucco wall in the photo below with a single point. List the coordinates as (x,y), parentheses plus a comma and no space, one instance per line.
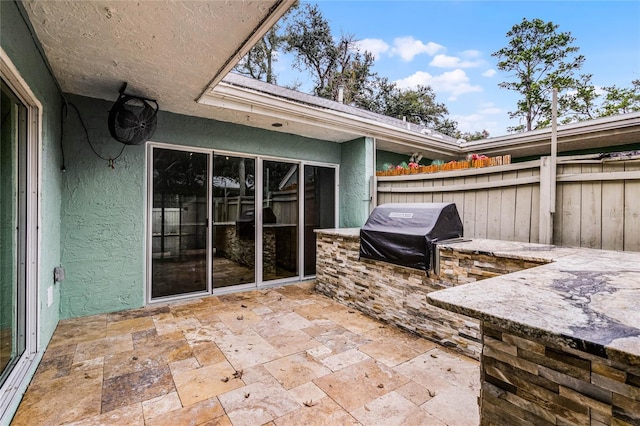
(355,173)
(16,41)
(103,208)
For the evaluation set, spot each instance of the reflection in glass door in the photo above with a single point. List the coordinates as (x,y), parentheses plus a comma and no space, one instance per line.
(13,237)
(179,222)
(212,232)
(279,220)
(234,231)
(319,209)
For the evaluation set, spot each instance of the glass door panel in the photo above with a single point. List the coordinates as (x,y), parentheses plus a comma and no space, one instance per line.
(179,222)
(280,220)
(234,234)
(319,209)
(13,205)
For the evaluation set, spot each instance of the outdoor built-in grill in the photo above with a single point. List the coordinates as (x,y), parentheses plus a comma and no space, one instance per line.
(406,234)
(245,225)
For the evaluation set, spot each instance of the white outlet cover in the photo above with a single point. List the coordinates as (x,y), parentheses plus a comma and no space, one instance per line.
(50,296)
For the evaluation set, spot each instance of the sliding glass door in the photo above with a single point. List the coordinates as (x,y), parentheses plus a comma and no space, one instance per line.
(279,220)
(234,221)
(212,232)
(13,237)
(179,222)
(319,209)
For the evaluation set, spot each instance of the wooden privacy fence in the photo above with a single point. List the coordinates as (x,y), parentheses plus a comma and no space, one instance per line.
(597,201)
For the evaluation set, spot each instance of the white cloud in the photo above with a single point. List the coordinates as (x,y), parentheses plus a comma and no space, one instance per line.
(490,108)
(471,54)
(477,122)
(408,48)
(373,45)
(445,61)
(454,82)
(485,118)
(489,73)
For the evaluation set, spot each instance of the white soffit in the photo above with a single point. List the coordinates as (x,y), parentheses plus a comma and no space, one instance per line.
(253,108)
(167,50)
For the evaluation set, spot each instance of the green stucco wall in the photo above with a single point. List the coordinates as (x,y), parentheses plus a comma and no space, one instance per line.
(18,44)
(355,174)
(103,208)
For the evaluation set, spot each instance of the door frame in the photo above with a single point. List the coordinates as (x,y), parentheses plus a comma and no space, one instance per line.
(258,183)
(19,377)
(150,146)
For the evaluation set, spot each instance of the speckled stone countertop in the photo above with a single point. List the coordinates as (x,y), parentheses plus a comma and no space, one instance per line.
(340,232)
(581,298)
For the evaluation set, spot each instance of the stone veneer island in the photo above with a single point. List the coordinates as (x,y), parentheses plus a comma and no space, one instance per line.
(559,328)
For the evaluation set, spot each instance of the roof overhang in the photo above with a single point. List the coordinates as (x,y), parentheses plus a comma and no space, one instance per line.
(171,51)
(179,52)
(604,132)
(259,109)
(296,113)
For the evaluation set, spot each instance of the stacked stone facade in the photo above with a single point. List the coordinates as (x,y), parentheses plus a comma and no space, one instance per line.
(397,295)
(242,251)
(527,381)
(458,267)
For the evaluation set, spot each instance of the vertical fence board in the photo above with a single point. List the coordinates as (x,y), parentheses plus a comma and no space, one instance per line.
(558,217)
(384,197)
(570,209)
(493,209)
(613,209)
(415,197)
(591,209)
(523,209)
(469,217)
(632,210)
(508,209)
(534,236)
(482,202)
(437,196)
(427,197)
(458,197)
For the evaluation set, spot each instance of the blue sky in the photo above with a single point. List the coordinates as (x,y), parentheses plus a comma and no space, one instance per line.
(448,45)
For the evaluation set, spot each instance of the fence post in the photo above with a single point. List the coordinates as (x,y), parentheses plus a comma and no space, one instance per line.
(546,215)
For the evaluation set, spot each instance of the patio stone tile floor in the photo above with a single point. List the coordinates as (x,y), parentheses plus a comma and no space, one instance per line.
(282,356)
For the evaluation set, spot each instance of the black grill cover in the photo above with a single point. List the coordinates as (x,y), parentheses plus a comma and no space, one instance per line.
(404,234)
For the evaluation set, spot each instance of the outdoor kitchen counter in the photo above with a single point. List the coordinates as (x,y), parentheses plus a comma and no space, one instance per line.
(584,298)
(560,341)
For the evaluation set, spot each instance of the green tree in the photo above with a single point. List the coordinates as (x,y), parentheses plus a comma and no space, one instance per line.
(416,105)
(337,63)
(579,104)
(539,58)
(621,100)
(309,39)
(473,136)
(259,62)
(332,63)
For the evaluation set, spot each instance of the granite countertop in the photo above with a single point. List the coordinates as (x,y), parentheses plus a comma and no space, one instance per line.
(581,298)
(340,232)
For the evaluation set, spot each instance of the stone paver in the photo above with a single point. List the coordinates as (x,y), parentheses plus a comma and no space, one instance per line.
(283,356)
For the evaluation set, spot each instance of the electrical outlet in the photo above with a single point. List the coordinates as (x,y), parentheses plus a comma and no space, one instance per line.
(50,296)
(58,274)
